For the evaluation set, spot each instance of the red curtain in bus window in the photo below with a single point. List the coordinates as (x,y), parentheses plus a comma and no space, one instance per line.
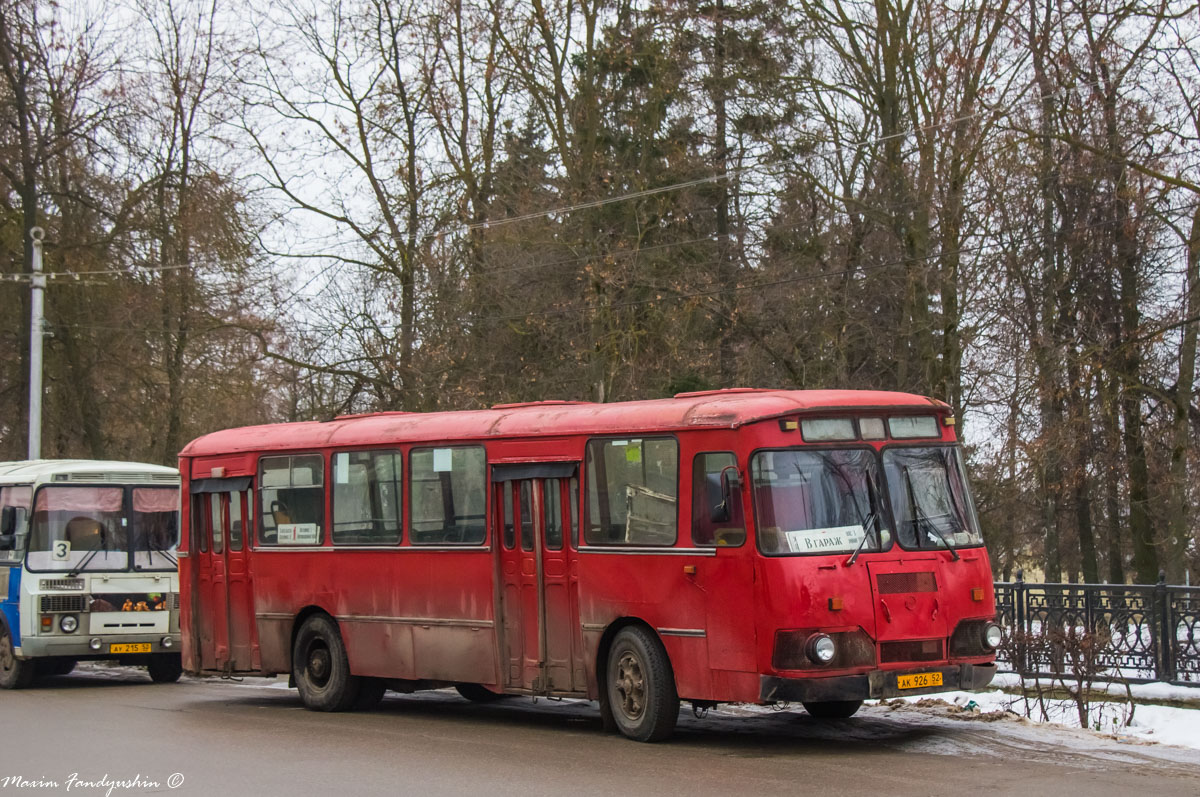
(155,499)
(80,499)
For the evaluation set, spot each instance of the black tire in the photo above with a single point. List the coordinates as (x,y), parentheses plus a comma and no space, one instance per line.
(52,667)
(14,673)
(320,667)
(165,668)
(370,692)
(477,693)
(833,709)
(641,686)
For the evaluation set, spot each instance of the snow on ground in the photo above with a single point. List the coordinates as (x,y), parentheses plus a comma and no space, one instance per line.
(1149,723)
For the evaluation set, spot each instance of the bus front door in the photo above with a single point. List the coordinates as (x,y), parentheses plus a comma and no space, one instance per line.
(539,600)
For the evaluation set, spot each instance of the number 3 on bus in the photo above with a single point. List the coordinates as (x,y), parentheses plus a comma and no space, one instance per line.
(753,546)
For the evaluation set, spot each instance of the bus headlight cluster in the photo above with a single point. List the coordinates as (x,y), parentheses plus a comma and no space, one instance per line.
(68,623)
(820,648)
(993,635)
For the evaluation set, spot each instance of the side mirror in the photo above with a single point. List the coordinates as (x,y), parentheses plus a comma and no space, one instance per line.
(731,487)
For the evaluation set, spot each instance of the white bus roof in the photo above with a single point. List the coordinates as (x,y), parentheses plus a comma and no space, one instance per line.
(84,470)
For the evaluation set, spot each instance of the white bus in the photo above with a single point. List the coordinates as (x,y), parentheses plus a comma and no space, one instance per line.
(87,567)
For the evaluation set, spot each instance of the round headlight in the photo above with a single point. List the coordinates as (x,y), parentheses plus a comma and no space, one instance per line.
(68,623)
(167,642)
(95,642)
(821,648)
(993,635)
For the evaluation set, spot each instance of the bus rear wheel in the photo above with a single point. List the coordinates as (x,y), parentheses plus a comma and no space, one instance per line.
(14,673)
(165,668)
(641,686)
(833,709)
(320,667)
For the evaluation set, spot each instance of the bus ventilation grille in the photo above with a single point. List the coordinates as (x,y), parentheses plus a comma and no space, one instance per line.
(910,650)
(62,603)
(174,600)
(61,583)
(895,583)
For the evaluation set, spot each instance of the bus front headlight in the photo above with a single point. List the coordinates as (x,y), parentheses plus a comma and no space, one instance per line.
(820,648)
(68,623)
(993,635)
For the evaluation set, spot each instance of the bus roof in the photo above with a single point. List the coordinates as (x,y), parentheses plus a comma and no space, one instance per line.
(726,409)
(84,470)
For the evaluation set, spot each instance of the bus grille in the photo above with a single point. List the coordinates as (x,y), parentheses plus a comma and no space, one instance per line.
(174,600)
(62,603)
(896,583)
(61,583)
(910,650)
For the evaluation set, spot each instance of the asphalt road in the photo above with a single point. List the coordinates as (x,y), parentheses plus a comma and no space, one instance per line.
(209,737)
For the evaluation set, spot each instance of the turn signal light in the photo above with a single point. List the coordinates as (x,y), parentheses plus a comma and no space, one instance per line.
(689,570)
(977,593)
(47,622)
(788,425)
(835,604)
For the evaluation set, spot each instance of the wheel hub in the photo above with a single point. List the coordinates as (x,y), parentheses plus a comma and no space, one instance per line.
(630,684)
(319,664)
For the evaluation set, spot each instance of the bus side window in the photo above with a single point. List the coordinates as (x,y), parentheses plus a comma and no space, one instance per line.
(17,501)
(366,497)
(447,500)
(632,491)
(707,495)
(291,499)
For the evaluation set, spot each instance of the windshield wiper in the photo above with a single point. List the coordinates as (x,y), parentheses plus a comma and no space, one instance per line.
(871,520)
(919,516)
(152,547)
(91,554)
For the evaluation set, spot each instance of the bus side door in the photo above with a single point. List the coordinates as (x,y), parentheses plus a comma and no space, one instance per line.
(239,597)
(542,652)
(207,549)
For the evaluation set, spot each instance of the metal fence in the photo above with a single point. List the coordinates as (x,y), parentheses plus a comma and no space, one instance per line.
(1135,632)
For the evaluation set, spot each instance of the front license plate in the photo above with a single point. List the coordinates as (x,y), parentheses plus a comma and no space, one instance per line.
(133,647)
(920,680)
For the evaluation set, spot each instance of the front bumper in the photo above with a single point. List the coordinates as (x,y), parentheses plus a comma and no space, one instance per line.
(76,646)
(871,685)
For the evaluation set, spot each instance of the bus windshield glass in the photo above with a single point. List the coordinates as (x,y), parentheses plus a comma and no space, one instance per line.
(818,501)
(932,507)
(94,529)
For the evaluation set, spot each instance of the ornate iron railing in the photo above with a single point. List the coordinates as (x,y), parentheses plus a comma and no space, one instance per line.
(1138,632)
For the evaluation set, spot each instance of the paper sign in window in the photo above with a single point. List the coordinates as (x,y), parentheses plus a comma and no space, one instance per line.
(298,533)
(836,538)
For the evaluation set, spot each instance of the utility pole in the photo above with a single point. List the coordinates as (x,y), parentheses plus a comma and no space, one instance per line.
(35,346)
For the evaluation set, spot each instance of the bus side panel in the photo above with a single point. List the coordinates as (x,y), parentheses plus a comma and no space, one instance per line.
(431,617)
(10,592)
(667,598)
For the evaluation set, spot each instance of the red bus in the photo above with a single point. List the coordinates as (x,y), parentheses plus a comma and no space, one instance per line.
(754,546)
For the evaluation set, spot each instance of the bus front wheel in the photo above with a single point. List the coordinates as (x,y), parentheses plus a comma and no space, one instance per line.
(641,686)
(165,668)
(320,667)
(14,673)
(833,709)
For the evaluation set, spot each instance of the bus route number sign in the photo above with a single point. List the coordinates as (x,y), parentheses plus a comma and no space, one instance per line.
(920,680)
